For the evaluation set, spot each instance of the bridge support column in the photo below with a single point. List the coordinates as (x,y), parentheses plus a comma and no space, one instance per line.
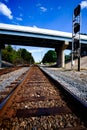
(60,58)
(60,54)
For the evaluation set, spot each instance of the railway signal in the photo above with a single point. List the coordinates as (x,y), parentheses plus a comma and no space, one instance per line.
(77,10)
(76,46)
(76,27)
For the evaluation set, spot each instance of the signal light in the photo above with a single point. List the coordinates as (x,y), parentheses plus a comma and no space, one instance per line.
(76,44)
(76,27)
(77,10)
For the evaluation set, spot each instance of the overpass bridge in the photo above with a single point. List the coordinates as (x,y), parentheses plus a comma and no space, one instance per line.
(29,36)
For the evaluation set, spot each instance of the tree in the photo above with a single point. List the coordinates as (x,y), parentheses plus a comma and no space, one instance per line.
(50,57)
(68,58)
(7,54)
(25,56)
(17,57)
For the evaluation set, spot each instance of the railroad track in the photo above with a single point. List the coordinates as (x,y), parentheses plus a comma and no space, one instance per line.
(7,70)
(9,89)
(38,104)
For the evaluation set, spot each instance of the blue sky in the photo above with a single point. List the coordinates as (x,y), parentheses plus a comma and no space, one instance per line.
(48,14)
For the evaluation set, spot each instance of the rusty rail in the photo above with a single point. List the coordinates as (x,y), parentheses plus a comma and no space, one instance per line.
(7,70)
(38,104)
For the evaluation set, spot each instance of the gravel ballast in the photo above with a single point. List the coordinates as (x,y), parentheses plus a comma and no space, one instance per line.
(7,79)
(74,81)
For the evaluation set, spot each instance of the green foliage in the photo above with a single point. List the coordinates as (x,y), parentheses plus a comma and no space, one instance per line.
(50,57)
(25,56)
(22,56)
(67,57)
(7,53)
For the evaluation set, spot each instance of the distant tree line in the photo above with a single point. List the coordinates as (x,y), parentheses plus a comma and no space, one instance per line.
(20,56)
(51,57)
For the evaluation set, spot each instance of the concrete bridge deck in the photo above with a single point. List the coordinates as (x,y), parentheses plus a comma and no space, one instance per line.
(23,35)
(29,36)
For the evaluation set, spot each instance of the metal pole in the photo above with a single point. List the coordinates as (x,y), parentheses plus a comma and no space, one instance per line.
(72,46)
(79,63)
(72,57)
(79,50)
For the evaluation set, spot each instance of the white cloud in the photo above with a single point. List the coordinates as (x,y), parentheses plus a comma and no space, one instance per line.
(19,19)
(43,9)
(36,50)
(83,4)
(5,11)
